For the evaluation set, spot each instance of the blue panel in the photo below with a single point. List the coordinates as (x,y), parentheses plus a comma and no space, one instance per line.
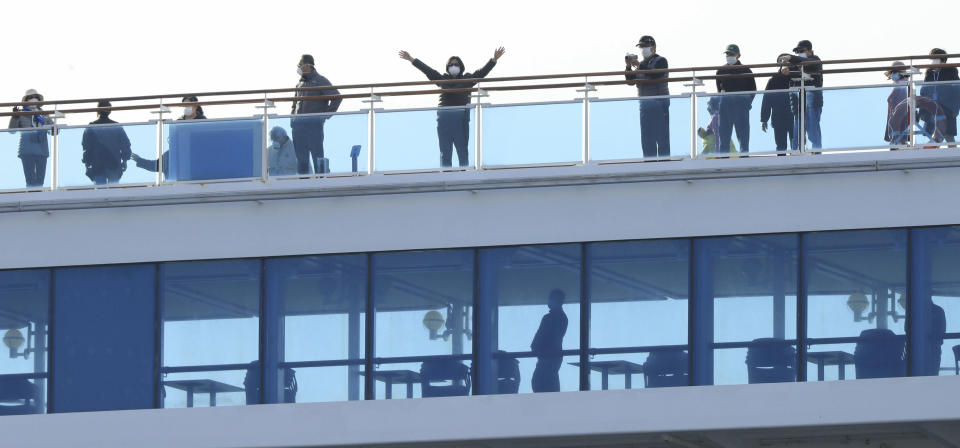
(201,150)
(104,338)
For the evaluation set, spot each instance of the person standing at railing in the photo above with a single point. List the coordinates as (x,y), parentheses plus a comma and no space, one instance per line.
(813,100)
(898,119)
(106,149)
(777,108)
(453,125)
(947,95)
(735,109)
(308,131)
(34,148)
(654,113)
(190,112)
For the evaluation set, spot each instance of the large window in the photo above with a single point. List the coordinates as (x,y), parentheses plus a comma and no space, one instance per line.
(211,333)
(935,302)
(424,323)
(529,319)
(638,294)
(104,338)
(24,324)
(745,309)
(856,306)
(316,320)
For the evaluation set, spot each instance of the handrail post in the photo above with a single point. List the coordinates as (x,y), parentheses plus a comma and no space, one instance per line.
(912,112)
(265,138)
(587,88)
(372,131)
(158,179)
(55,151)
(694,83)
(478,129)
(802,100)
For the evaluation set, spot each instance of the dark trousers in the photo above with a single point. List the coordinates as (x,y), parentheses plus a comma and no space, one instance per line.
(546,376)
(781,134)
(655,127)
(307,142)
(34,169)
(734,113)
(107,176)
(453,129)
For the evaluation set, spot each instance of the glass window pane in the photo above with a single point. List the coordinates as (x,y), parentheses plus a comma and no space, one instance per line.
(211,388)
(104,338)
(209,149)
(425,139)
(424,305)
(854,281)
(211,312)
(617,128)
(533,134)
(529,318)
(731,122)
(24,323)
(32,171)
(862,117)
(939,105)
(638,302)
(935,301)
(338,134)
(98,154)
(316,311)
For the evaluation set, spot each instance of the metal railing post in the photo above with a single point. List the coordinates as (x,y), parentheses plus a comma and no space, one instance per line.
(159,153)
(802,99)
(585,144)
(478,129)
(912,102)
(55,152)
(372,131)
(694,83)
(265,139)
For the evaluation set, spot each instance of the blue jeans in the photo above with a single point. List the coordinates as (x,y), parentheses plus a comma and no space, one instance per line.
(734,113)
(811,117)
(655,127)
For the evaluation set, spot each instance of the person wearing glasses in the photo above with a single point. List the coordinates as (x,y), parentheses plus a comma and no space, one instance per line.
(308,130)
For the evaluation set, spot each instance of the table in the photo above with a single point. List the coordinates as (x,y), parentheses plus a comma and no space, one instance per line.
(388,377)
(211,387)
(617,367)
(832,358)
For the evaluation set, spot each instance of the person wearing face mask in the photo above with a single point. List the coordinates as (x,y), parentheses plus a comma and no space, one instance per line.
(735,109)
(813,100)
(190,112)
(308,130)
(777,108)
(34,148)
(947,95)
(453,125)
(899,109)
(106,149)
(282,157)
(655,113)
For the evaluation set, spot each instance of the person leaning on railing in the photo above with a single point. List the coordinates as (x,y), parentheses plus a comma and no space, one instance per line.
(735,109)
(308,131)
(34,148)
(654,114)
(190,112)
(813,100)
(947,95)
(453,126)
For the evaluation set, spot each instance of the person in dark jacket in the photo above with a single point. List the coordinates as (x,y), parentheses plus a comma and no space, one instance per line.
(453,125)
(777,108)
(547,345)
(190,112)
(735,109)
(34,148)
(813,100)
(654,113)
(308,131)
(947,95)
(106,149)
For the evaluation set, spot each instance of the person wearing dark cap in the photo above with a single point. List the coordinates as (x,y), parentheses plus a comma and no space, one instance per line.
(813,100)
(735,109)
(654,113)
(947,95)
(308,131)
(106,149)
(453,125)
(34,147)
(777,108)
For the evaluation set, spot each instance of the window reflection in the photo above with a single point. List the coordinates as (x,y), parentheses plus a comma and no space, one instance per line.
(935,304)
(24,317)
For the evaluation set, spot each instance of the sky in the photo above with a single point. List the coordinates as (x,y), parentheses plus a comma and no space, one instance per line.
(122,48)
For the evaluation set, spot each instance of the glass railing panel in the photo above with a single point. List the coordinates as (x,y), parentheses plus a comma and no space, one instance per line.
(99,154)
(533,134)
(425,139)
(24,159)
(735,121)
(637,128)
(938,104)
(209,149)
(294,142)
(857,117)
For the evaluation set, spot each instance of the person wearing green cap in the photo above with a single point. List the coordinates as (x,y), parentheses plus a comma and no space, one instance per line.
(734,110)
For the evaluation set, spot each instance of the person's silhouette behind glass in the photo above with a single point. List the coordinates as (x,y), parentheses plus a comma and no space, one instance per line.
(548,346)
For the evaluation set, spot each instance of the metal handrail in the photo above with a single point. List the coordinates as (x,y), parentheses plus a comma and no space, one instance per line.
(489,80)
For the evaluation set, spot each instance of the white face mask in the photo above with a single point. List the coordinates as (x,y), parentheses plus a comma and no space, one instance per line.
(731,60)
(453,70)
(299,71)
(646,52)
(33,100)
(188,111)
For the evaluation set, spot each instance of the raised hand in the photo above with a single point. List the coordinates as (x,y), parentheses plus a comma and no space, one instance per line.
(405,55)
(498,52)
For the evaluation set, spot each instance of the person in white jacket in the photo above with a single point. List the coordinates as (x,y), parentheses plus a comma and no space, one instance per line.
(282,158)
